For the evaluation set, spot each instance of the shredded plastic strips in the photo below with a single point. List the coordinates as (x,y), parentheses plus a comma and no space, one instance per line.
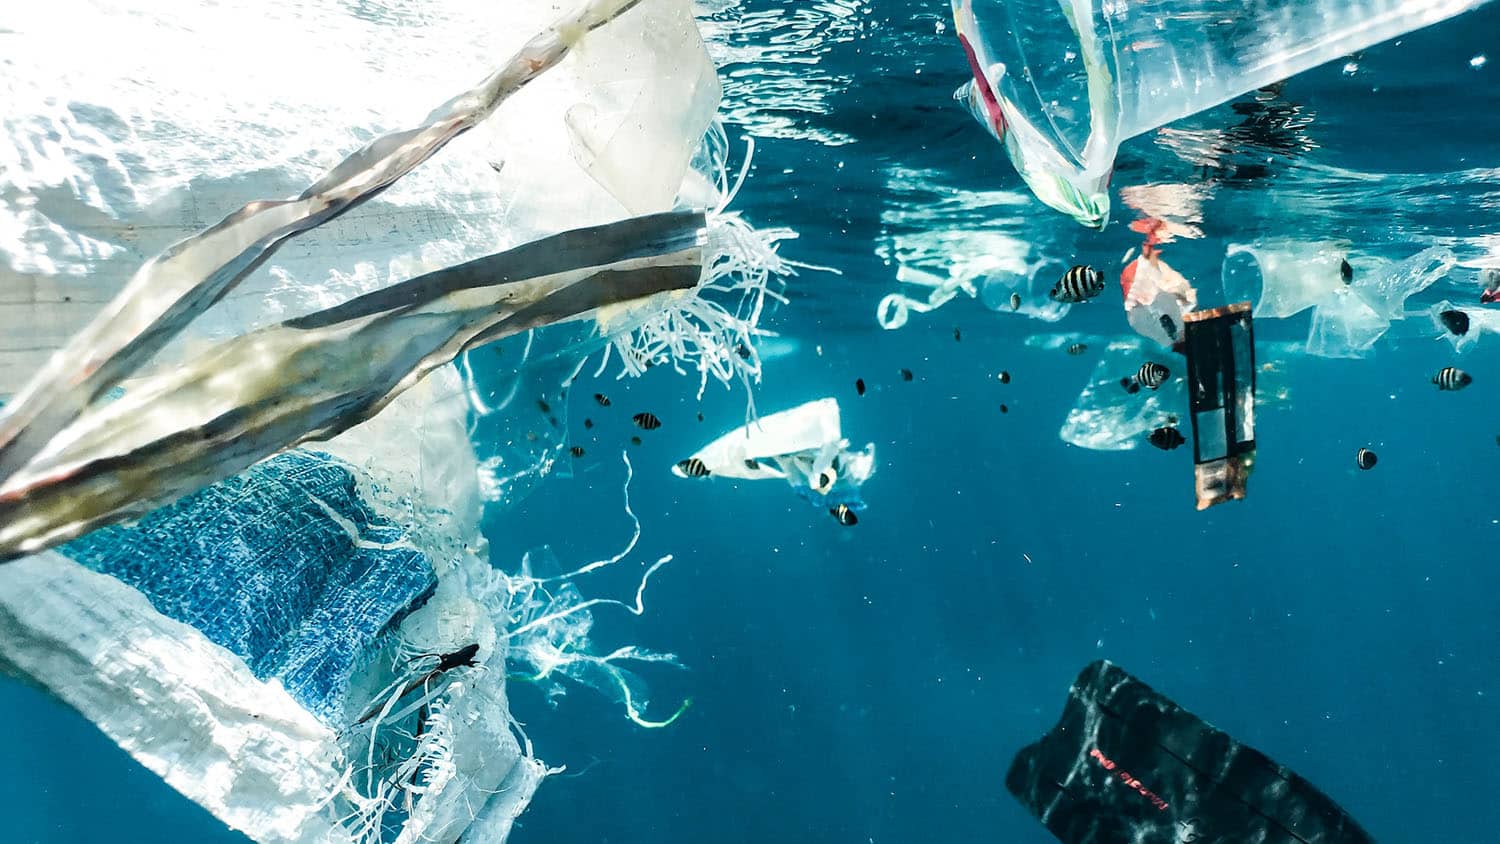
(381,715)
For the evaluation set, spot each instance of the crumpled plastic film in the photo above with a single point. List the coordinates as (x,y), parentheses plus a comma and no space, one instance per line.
(1481,321)
(1107,418)
(1282,277)
(1351,319)
(385,733)
(803,446)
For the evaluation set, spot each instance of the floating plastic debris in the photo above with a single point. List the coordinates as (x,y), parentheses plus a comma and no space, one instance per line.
(803,446)
(1125,763)
(1220,348)
(1062,115)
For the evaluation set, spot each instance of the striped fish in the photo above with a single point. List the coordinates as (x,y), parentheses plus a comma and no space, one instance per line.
(576,451)
(1079,284)
(646,421)
(1365,458)
(693,468)
(1078,349)
(844,515)
(602,399)
(1151,375)
(1452,378)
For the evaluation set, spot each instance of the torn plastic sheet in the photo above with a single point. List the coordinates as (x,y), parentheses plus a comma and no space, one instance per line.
(947,239)
(315,376)
(1125,763)
(314,582)
(803,446)
(138,158)
(1349,321)
(1480,321)
(1286,277)
(169,290)
(1105,417)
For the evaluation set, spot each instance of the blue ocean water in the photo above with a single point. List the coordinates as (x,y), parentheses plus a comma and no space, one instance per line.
(871,684)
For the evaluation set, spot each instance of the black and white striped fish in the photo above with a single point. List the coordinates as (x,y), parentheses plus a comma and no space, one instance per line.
(693,468)
(1365,458)
(1151,375)
(844,515)
(602,399)
(646,421)
(1166,438)
(1452,378)
(1346,272)
(1455,321)
(576,451)
(1079,284)
(1078,349)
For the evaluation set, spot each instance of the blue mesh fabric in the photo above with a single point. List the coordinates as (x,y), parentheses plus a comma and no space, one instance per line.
(264,564)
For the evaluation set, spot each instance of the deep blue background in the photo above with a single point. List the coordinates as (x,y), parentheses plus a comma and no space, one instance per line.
(871,684)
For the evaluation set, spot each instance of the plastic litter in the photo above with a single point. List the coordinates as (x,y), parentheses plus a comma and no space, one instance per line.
(803,446)
(1352,318)
(1062,112)
(1221,373)
(1125,763)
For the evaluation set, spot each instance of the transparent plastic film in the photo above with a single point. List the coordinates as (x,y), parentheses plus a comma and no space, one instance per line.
(1127,69)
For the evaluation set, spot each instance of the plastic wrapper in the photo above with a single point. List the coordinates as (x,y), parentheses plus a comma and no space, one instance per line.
(803,446)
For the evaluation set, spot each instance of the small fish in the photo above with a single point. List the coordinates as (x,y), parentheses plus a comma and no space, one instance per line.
(844,515)
(1169,326)
(542,403)
(588,423)
(1078,349)
(826,479)
(906,375)
(1151,375)
(743,351)
(1004,377)
(552,420)
(957,336)
(635,440)
(1346,272)
(700,416)
(1078,284)
(1166,438)
(531,436)
(1452,378)
(576,451)
(646,421)
(1015,301)
(1455,321)
(602,399)
(1004,409)
(752,463)
(859,386)
(693,468)
(1365,459)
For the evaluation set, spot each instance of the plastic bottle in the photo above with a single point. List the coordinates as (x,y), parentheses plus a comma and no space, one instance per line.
(1062,83)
